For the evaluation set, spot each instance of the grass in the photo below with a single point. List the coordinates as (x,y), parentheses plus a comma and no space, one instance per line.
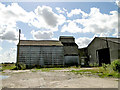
(101,72)
(45,69)
(48,69)
(7,66)
(55,68)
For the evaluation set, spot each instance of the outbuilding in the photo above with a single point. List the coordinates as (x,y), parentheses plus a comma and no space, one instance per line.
(71,56)
(41,52)
(48,52)
(103,50)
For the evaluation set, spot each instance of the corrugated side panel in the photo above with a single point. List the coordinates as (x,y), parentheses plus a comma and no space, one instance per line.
(71,60)
(38,55)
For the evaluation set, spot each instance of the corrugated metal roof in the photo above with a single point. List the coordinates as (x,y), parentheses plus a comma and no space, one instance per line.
(41,42)
(112,39)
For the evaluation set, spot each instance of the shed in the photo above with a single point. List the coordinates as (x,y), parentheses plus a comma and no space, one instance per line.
(70,50)
(40,52)
(103,50)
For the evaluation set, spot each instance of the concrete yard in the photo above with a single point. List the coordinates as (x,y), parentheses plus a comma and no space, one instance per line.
(55,79)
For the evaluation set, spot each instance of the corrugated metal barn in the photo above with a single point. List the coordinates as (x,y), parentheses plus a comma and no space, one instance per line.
(103,50)
(70,50)
(43,52)
(48,52)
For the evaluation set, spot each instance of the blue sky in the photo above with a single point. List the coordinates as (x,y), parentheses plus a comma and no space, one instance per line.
(49,20)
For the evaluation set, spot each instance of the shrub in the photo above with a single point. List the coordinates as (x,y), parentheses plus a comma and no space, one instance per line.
(91,65)
(105,66)
(116,65)
(96,64)
(21,66)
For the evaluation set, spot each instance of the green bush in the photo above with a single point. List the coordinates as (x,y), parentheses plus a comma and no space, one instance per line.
(105,66)
(96,64)
(20,66)
(116,65)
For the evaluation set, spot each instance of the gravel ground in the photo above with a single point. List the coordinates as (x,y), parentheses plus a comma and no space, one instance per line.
(55,79)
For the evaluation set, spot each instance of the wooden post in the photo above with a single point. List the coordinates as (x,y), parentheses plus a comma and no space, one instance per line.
(18,47)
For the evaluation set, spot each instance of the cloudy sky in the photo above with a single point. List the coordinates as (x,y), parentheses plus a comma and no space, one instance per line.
(49,20)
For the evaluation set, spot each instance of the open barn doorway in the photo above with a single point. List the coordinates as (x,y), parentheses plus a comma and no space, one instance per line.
(104,56)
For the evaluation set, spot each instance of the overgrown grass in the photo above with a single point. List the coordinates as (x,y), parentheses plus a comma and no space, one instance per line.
(107,70)
(44,69)
(7,66)
(100,71)
(48,69)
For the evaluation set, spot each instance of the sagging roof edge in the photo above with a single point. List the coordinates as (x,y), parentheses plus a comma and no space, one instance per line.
(102,39)
(109,40)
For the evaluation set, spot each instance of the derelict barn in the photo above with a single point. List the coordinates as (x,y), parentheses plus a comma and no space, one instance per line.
(71,56)
(103,50)
(41,52)
(47,52)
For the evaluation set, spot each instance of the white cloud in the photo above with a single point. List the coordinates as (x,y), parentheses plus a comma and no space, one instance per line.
(83,41)
(9,35)
(76,12)
(55,39)
(117,33)
(59,10)
(48,15)
(42,34)
(72,27)
(118,3)
(100,23)
(64,9)
(47,19)
(1,48)
(9,16)
(96,23)
(8,56)
(42,18)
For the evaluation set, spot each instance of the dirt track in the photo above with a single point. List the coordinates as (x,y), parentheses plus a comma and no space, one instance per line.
(55,79)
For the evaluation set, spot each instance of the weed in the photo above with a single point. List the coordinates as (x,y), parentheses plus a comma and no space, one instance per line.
(116,65)
(48,69)
(101,72)
(7,67)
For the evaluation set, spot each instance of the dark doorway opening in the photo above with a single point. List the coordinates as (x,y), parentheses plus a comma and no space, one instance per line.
(104,56)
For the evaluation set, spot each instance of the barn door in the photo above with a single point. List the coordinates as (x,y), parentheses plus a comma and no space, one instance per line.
(104,56)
